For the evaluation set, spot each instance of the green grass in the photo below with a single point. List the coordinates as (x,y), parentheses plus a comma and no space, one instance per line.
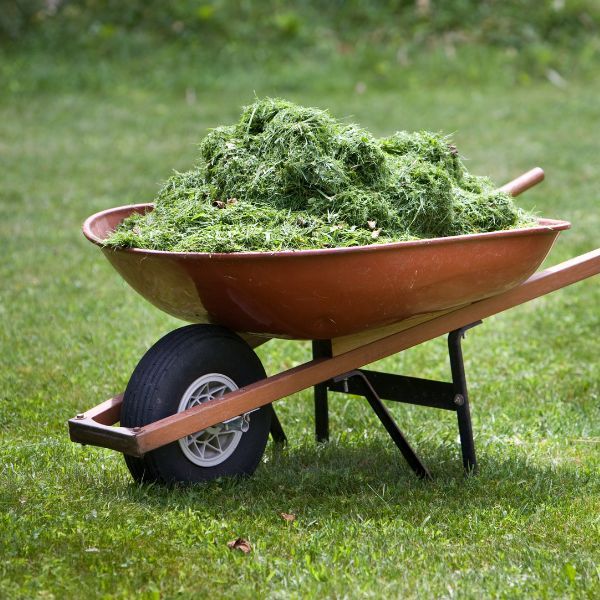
(289,177)
(72,523)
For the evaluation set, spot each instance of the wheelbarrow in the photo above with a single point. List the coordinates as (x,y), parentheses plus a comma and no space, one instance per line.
(199,404)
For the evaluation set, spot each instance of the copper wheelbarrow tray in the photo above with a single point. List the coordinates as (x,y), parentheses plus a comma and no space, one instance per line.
(322,294)
(362,303)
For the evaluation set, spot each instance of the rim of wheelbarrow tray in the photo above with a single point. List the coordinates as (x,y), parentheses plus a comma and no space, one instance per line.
(544,225)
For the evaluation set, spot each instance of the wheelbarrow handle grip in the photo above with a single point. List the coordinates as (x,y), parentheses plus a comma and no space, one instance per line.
(523,182)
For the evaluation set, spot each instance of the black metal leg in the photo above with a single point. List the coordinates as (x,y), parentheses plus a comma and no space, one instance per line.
(391,427)
(321,413)
(277,432)
(321,349)
(461,399)
(375,386)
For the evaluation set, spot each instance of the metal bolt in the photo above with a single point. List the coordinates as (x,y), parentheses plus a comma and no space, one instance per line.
(345,384)
(459,399)
(136,429)
(80,416)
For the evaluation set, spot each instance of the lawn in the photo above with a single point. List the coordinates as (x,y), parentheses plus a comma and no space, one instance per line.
(73,524)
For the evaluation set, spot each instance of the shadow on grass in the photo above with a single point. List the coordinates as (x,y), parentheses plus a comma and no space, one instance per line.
(372,480)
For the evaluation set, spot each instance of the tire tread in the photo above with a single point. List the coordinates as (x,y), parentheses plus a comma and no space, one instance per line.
(144,381)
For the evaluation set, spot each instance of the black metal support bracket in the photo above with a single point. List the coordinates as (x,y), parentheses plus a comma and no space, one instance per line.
(461,398)
(376,386)
(387,420)
(321,349)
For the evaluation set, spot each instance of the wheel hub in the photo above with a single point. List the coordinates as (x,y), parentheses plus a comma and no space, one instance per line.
(213,445)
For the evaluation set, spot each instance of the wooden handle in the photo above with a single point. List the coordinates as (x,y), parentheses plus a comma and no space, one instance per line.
(92,427)
(306,375)
(524,182)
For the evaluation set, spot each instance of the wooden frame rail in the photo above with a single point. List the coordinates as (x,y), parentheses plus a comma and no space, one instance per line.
(94,427)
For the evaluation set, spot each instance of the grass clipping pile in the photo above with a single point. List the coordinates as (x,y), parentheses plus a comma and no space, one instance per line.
(287,177)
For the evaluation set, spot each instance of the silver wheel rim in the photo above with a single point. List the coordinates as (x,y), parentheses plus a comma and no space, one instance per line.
(214,445)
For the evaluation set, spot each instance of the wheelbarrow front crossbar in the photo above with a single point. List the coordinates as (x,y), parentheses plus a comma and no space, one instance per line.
(95,427)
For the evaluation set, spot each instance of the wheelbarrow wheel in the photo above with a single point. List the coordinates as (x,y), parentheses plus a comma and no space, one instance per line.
(187,367)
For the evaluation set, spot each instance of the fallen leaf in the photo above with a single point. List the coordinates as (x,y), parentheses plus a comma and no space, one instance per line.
(371,224)
(288,517)
(375,234)
(232,200)
(219,204)
(240,544)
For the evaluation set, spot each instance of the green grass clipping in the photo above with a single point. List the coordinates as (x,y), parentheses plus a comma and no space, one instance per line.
(288,177)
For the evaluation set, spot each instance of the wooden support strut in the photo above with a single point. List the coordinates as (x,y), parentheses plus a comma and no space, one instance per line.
(93,428)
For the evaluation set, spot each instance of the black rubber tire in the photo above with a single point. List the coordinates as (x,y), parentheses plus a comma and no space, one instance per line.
(158,384)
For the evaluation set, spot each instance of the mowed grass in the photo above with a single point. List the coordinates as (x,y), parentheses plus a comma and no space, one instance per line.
(72,522)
